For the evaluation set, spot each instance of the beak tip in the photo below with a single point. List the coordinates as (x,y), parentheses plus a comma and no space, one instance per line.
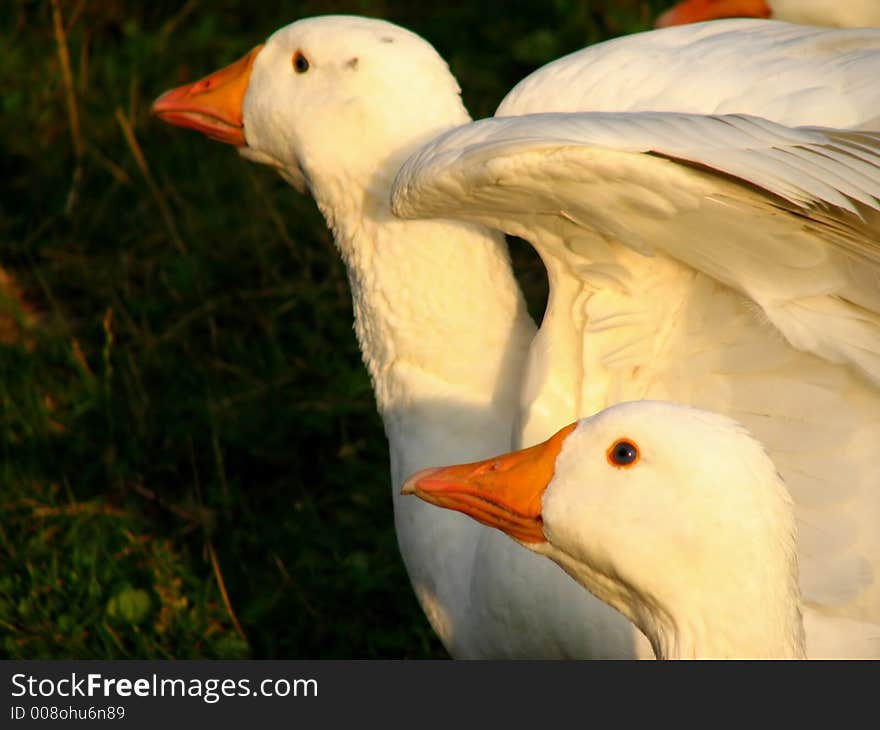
(160,103)
(411,485)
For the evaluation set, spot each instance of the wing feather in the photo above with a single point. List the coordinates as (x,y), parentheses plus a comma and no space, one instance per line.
(744,200)
(724,261)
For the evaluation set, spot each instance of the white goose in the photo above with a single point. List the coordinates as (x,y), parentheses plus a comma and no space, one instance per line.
(442,326)
(835,13)
(674,516)
(724,261)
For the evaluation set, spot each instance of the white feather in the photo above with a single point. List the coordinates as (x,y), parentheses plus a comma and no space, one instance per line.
(724,260)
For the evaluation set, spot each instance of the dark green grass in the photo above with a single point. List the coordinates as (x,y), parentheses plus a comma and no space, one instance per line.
(189,409)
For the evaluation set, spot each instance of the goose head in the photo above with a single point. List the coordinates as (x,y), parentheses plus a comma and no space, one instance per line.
(331,101)
(674,516)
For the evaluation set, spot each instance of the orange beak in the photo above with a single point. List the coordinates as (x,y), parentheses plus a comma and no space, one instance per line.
(693,11)
(504,492)
(212,105)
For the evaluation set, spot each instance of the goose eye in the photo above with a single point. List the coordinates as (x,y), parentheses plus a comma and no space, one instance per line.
(300,62)
(623,453)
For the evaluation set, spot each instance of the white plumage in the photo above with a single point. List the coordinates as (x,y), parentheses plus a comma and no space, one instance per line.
(674,516)
(791,74)
(723,260)
(756,322)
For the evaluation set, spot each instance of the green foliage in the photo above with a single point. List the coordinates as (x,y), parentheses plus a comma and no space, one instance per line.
(183,410)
